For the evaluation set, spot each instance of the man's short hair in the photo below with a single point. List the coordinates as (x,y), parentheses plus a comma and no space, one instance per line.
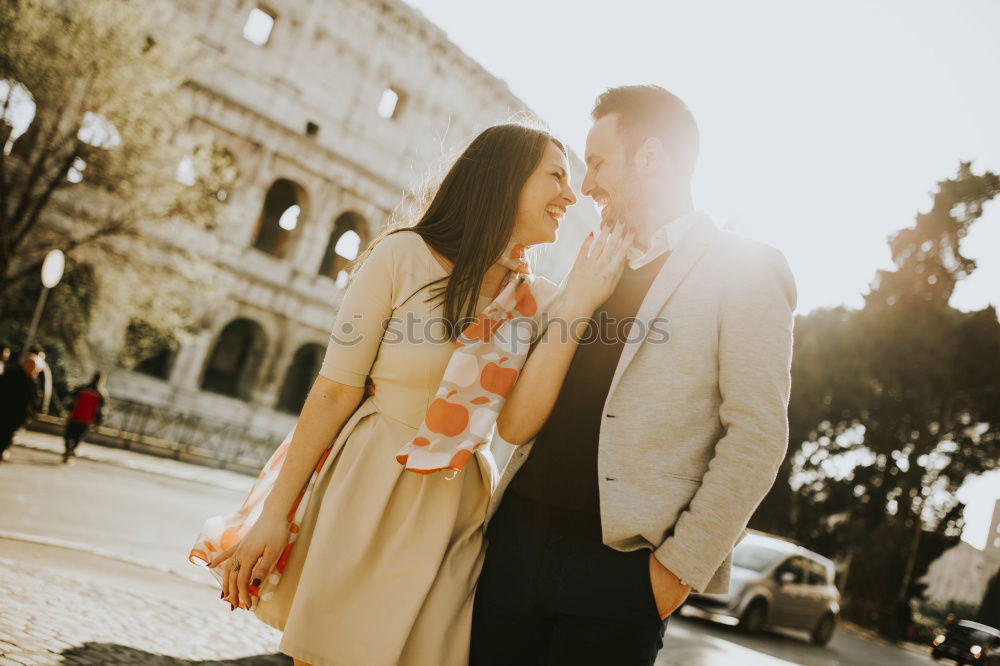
(645,111)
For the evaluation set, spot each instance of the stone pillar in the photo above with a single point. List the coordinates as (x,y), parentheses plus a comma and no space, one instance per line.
(191,358)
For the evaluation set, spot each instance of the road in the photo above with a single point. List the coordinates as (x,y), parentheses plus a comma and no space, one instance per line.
(120,525)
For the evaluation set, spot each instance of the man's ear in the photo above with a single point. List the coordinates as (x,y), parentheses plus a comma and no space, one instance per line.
(651,156)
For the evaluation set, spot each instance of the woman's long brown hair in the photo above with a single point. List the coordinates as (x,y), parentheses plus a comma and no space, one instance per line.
(470,218)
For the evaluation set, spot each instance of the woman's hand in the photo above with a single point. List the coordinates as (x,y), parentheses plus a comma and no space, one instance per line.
(249,562)
(597,269)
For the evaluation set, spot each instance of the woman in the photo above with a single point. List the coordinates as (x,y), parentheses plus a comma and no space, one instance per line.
(385,561)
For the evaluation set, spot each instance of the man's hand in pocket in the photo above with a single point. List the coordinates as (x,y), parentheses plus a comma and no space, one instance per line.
(668,590)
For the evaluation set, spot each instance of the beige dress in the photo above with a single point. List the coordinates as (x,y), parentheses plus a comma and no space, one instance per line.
(386,562)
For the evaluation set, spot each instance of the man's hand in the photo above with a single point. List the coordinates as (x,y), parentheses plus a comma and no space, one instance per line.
(667,588)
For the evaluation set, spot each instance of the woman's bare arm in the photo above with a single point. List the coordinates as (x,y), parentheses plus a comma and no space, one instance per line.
(541,378)
(326,410)
(594,276)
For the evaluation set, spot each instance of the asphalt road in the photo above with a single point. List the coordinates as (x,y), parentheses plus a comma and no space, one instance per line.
(135,508)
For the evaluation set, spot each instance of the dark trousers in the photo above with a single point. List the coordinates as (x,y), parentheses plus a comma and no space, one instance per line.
(548,599)
(74,434)
(6,436)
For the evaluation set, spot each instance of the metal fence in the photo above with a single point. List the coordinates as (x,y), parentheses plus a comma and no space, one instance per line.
(170,433)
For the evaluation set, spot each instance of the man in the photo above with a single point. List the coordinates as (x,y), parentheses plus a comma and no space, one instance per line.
(88,406)
(19,398)
(666,433)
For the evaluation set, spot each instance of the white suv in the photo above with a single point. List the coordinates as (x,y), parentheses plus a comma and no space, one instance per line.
(776,583)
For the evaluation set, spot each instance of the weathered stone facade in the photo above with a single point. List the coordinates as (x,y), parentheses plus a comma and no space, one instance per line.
(300,115)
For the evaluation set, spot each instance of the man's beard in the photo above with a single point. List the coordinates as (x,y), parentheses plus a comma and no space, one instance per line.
(617,210)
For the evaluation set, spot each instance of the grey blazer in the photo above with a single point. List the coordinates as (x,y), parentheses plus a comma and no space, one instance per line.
(695,423)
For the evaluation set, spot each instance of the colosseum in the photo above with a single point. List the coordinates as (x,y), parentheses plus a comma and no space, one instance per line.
(334,111)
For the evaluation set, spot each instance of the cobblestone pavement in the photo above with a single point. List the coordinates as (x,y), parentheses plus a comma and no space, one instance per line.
(90,617)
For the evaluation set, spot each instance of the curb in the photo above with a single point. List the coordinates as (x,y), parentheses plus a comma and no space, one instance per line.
(198,475)
(186,574)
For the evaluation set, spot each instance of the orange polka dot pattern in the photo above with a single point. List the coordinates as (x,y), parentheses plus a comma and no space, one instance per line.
(480,374)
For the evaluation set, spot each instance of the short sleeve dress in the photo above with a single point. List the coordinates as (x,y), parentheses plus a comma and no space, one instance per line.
(386,561)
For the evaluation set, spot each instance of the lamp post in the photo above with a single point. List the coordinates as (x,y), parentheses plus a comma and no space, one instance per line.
(52,272)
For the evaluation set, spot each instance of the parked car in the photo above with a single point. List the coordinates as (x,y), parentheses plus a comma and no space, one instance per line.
(776,583)
(968,642)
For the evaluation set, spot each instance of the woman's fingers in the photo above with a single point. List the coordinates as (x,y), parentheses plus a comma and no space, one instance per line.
(227,583)
(222,557)
(584,252)
(243,582)
(260,572)
(610,255)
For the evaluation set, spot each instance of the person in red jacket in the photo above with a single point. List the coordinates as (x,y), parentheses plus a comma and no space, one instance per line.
(90,405)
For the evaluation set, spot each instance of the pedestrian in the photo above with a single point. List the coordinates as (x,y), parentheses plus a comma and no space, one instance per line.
(4,356)
(19,399)
(89,406)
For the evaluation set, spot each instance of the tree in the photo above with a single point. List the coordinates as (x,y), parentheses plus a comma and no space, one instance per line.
(893,406)
(989,609)
(99,158)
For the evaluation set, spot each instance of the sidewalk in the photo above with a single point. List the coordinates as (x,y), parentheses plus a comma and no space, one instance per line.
(69,602)
(66,607)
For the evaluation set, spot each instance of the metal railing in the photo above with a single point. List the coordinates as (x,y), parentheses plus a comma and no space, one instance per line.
(182,436)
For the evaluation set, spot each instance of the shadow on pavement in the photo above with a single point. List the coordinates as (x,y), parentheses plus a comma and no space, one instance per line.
(91,654)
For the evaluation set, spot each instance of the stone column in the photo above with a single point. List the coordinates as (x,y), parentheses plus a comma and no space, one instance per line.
(191,358)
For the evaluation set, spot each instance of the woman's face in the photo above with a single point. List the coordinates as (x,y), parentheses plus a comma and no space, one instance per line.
(544,199)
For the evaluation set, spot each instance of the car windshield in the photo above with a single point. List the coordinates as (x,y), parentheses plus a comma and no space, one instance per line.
(757,558)
(975,634)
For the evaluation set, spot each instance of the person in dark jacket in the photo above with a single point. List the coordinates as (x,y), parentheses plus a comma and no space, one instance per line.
(19,398)
(89,407)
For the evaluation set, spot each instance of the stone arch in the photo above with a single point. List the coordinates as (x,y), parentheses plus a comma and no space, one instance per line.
(348,238)
(233,366)
(300,377)
(280,217)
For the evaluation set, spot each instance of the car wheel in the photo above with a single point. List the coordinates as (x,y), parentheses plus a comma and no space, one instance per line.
(823,632)
(753,618)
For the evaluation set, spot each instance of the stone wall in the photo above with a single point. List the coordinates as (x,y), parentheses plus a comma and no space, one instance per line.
(303,108)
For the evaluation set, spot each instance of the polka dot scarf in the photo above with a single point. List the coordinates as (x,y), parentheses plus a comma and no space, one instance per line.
(480,375)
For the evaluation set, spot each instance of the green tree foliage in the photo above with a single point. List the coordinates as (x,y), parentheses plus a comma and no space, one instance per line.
(98,156)
(893,407)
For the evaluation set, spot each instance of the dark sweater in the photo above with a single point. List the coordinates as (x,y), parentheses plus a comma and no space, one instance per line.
(557,485)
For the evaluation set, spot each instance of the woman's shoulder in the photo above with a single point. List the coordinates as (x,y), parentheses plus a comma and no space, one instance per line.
(404,246)
(393,243)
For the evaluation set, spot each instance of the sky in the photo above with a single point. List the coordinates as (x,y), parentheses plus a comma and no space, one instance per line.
(825,126)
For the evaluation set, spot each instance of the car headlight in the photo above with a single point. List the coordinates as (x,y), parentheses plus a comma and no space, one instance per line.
(976,650)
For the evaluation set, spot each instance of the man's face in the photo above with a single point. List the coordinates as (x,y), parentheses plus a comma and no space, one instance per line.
(611,176)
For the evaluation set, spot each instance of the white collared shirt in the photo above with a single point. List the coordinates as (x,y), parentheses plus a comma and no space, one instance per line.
(664,239)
